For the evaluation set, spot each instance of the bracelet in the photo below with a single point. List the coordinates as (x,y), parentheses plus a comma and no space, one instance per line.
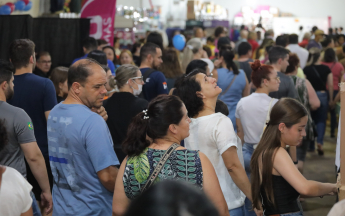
(295,162)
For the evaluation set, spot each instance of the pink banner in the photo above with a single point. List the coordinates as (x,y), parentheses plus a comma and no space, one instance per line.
(102,15)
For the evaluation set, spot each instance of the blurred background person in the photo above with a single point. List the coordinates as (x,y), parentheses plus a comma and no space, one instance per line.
(43,64)
(171,66)
(122,106)
(126,57)
(59,77)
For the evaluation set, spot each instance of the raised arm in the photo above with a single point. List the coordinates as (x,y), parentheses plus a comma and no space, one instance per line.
(285,167)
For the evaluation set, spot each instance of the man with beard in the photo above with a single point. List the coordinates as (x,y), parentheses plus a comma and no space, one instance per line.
(22,141)
(81,151)
(35,95)
(155,81)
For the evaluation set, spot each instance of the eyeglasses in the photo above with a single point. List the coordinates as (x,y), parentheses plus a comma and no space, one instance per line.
(141,79)
(45,62)
(277,78)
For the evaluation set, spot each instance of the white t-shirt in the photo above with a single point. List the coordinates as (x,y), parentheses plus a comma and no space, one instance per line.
(15,196)
(252,111)
(213,135)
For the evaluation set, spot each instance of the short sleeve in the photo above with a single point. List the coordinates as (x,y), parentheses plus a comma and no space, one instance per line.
(99,144)
(49,100)
(225,135)
(340,68)
(24,128)
(161,83)
(238,107)
(23,188)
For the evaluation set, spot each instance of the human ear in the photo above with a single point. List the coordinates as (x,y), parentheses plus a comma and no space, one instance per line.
(200,95)
(173,128)
(281,127)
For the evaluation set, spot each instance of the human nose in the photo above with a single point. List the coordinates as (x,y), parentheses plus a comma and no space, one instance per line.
(104,90)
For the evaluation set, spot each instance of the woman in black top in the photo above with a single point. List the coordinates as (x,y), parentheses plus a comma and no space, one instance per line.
(280,183)
(59,78)
(321,78)
(122,106)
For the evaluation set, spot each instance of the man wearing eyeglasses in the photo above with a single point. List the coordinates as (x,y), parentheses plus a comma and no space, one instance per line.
(43,64)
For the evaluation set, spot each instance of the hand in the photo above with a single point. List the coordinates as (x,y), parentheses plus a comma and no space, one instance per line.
(47,202)
(259,212)
(331,104)
(217,63)
(101,111)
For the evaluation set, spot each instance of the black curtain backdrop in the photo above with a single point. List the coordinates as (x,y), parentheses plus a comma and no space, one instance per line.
(13,27)
(62,38)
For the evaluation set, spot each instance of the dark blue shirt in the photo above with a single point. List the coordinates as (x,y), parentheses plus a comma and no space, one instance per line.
(110,63)
(155,84)
(35,95)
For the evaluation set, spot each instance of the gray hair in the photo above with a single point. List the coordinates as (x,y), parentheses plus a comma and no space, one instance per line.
(124,73)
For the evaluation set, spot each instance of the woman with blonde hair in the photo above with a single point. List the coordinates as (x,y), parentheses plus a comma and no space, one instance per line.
(194,50)
(122,106)
(126,57)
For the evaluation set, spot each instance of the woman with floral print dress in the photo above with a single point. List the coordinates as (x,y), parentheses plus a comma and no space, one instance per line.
(164,123)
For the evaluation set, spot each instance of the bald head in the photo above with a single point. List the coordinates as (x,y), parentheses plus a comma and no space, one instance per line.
(86,83)
(81,70)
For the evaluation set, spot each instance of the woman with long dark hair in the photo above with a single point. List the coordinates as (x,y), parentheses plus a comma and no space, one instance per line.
(165,123)
(213,134)
(110,53)
(232,80)
(275,180)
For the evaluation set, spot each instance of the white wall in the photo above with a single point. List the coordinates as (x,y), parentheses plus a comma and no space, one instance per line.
(300,8)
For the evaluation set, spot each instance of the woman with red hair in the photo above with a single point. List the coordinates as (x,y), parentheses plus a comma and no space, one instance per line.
(252,112)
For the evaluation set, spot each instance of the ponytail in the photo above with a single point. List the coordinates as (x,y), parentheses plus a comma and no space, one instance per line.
(136,142)
(228,56)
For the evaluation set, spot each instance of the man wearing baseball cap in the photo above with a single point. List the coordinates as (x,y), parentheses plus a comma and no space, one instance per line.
(319,34)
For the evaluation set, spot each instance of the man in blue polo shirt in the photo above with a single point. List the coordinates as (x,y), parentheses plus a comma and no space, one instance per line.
(155,81)
(90,44)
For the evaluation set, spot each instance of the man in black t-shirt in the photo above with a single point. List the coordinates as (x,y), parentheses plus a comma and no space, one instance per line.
(35,95)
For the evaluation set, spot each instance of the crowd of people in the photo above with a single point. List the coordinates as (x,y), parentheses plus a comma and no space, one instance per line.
(232,120)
